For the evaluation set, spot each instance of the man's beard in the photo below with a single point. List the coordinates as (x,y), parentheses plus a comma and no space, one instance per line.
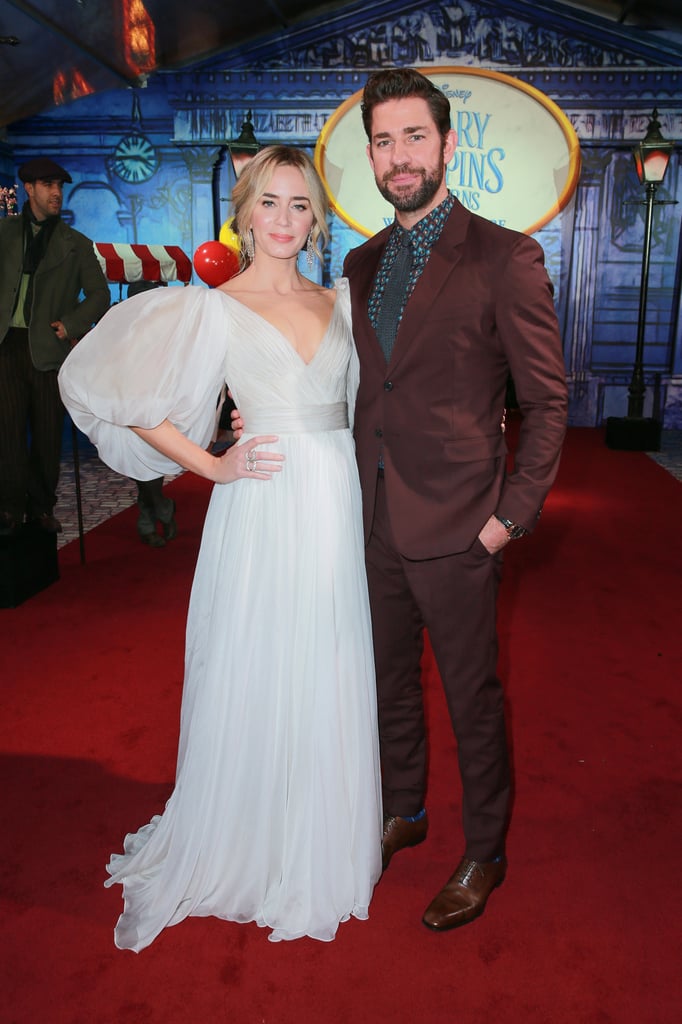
(410,202)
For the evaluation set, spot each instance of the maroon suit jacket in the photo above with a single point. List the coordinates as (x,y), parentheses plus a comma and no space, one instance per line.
(481,309)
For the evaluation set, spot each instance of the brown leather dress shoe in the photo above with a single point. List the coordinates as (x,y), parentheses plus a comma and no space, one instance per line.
(464,897)
(399,833)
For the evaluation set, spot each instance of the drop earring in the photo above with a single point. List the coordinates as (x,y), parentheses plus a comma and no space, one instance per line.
(249,245)
(310,251)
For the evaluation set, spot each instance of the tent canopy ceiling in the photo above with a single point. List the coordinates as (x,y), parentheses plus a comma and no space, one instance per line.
(54,50)
(123,263)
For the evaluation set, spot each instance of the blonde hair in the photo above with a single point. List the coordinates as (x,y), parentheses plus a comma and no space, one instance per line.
(254,180)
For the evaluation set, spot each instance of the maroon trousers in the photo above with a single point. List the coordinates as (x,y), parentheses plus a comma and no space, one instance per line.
(31,424)
(455,598)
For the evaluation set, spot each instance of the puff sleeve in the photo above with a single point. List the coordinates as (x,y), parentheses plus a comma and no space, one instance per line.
(160,355)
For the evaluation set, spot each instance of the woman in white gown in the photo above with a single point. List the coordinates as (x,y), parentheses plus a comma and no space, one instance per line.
(276,812)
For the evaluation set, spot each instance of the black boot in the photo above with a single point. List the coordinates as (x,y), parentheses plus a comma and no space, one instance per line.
(165,513)
(146,522)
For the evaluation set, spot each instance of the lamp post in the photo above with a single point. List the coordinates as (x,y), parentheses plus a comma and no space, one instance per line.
(635,432)
(244,147)
(240,151)
(652,156)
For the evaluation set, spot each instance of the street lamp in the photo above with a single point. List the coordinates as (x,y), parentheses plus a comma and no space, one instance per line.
(244,147)
(635,432)
(240,151)
(652,154)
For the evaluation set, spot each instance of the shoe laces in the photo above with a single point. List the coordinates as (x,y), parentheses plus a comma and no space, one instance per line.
(466,871)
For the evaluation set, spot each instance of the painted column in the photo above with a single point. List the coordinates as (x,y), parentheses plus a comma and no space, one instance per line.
(201,161)
(583,388)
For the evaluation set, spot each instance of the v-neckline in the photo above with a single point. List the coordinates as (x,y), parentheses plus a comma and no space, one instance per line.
(281,334)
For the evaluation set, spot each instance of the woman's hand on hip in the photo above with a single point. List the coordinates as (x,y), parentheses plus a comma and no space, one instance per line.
(249,461)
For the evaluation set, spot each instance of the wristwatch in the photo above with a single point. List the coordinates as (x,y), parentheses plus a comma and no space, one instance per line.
(514,531)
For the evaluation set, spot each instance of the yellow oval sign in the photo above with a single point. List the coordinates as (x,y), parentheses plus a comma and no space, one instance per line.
(517,160)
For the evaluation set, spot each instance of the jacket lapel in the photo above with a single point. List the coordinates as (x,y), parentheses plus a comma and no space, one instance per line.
(364,274)
(442,263)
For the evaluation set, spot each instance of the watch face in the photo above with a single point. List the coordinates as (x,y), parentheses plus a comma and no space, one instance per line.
(135,159)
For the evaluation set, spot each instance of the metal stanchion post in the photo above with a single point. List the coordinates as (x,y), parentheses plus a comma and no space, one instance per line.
(79,500)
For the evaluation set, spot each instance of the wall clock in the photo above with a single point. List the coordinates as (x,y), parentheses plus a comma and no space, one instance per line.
(135,159)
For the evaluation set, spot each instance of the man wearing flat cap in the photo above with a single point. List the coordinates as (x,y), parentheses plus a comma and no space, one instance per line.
(52,290)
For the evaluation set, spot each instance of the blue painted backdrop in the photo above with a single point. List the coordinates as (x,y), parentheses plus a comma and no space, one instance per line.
(606,79)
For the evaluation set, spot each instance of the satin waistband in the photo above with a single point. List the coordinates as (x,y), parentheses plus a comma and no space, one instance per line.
(301,420)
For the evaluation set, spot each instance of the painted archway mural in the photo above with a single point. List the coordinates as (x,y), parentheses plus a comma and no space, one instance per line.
(517,160)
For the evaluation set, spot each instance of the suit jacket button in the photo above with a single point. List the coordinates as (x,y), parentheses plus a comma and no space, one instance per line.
(378,432)
(388,386)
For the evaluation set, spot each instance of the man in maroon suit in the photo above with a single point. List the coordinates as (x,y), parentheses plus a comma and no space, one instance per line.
(446,305)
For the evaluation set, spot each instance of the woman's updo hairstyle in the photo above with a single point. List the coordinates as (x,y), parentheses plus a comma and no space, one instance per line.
(254,181)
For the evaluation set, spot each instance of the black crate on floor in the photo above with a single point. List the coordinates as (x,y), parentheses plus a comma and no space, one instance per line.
(28,564)
(633,434)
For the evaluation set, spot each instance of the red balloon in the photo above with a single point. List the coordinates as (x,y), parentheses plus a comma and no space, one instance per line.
(215,263)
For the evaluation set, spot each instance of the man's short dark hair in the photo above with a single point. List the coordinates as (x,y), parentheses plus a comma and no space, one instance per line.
(401,84)
(137,287)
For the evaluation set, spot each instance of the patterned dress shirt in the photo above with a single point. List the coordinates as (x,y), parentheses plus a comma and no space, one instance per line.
(423,236)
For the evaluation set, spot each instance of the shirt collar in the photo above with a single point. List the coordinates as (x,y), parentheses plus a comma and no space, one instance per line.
(427,230)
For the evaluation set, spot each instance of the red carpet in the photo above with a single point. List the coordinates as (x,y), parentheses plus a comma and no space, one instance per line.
(584,931)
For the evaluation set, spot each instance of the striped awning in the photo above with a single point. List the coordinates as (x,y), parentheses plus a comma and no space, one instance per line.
(121,262)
